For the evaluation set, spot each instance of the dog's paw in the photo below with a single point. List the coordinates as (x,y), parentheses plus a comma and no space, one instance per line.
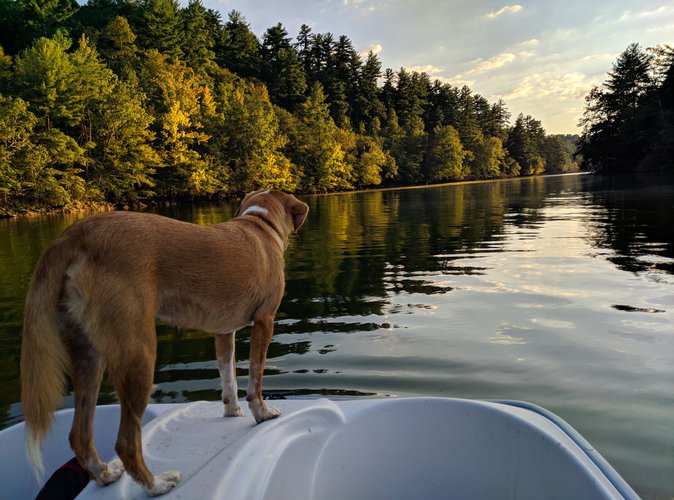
(164,482)
(263,413)
(105,474)
(234,411)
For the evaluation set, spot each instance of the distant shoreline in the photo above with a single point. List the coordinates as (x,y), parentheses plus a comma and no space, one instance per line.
(103,207)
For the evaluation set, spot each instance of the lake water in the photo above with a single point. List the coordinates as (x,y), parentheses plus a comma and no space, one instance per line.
(554,290)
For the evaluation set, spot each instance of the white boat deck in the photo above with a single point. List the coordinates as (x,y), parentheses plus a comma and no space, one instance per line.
(408,448)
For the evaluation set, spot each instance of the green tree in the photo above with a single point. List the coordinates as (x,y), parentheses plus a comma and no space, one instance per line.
(444,160)
(369,111)
(56,178)
(124,157)
(5,70)
(45,76)
(20,159)
(369,163)
(443,106)
(525,141)
(411,98)
(409,150)
(489,161)
(303,46)
(315,147)
(240,50)
(93,81)
(181,104)
(22,21)
(555,156)
(117,46)
(469,128)
(282,69)
(162,27)
(199,39)
(613,136)
(248,139)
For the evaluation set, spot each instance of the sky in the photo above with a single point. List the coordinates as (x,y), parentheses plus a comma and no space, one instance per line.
(541,57)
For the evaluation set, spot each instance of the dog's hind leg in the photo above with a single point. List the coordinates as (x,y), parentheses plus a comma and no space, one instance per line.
(132,374)
(224,351)
(263,329)
(87,372)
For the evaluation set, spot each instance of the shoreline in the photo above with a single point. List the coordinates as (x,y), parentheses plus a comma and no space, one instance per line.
(106,206)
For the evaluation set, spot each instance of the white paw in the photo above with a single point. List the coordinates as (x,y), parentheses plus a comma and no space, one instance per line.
(164,482)
(108,473)
(234,411)
(263,412)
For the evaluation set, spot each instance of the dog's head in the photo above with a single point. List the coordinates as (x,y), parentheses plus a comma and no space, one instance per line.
(285,211)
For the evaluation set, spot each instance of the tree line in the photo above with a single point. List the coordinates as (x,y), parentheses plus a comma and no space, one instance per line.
(127,101)
(628,123)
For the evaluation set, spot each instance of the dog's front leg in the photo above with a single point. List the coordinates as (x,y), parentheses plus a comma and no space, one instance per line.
(263,328)
(224,351)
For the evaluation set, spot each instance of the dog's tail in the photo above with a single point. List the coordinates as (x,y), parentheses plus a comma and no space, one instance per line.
(44,359)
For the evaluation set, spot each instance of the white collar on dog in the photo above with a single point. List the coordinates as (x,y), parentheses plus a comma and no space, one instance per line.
(255,208)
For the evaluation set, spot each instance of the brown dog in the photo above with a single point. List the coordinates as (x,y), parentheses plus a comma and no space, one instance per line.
(94,297)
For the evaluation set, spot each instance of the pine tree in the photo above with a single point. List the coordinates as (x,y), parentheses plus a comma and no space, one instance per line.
(240,51)
(21,22)
(368,106)
(198,41)
(613,136)
(443,106)
(525,142)
(302,46)
(162,28)
(282,70)
(45,76)
(93,82)
(117,46)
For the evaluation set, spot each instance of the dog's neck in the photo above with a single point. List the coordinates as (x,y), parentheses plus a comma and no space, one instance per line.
(261,213)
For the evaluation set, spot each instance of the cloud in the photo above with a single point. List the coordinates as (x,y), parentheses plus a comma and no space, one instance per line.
(508,9)
(479,66)
(532,42)
(458,81)
(375,48)
(629,15)
(429,69)
(666,27)
(568,86)
(483,65)
(358,4)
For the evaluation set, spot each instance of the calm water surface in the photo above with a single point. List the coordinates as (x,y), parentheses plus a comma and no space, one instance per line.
(556,290)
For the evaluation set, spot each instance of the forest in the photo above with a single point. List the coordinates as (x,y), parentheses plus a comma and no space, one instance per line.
(628,123)
(130,102)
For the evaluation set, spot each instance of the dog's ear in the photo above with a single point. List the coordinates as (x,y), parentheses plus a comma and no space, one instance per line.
(298,211)
(238,210)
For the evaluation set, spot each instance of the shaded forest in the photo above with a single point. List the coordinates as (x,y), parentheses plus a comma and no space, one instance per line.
(628,124)
(132,101)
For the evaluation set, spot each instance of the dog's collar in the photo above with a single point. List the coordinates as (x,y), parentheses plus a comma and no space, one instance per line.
(264,219)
